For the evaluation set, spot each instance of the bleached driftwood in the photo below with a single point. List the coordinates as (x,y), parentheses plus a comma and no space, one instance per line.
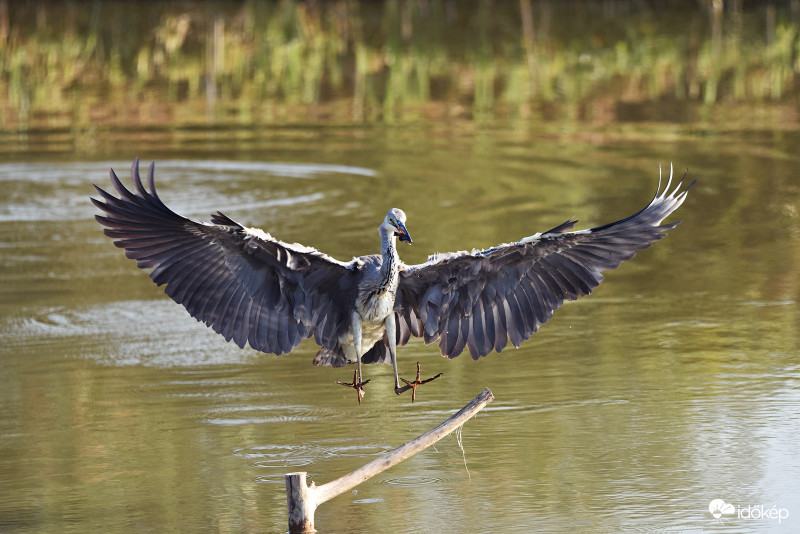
(303,499)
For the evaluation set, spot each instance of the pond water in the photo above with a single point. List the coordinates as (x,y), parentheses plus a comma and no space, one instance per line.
(675,383)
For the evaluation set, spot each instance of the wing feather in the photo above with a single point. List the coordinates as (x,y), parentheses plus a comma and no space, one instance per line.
(238,327)
(498,319)
(244,284)
(518,319)
(526,310)
(537,309)
(488,324)
(480,300)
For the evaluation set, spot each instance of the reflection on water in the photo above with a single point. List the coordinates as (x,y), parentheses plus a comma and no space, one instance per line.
(169,69)
(675,383)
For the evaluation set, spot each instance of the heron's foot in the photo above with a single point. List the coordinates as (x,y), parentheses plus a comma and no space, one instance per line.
(413,385)
(356,384)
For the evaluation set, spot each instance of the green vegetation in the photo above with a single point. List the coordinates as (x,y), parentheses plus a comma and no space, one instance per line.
(106,63)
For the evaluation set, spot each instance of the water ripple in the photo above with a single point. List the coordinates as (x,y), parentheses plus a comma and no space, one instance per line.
(271,456)
(291,170)
(261,414)
(59,191)
(413,481)
(153,333)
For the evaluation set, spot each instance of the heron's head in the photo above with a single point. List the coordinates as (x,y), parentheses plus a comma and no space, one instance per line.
(395,222)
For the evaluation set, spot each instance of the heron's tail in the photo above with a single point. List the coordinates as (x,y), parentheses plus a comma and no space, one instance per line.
(333,358)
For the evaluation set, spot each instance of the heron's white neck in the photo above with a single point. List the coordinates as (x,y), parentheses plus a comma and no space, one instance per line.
(389,267)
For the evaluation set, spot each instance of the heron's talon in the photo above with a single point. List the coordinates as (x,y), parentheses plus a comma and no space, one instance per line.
(357,385)
(413,385)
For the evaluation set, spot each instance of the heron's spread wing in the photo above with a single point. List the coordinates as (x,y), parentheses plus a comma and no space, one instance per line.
(482,299)
(240,281)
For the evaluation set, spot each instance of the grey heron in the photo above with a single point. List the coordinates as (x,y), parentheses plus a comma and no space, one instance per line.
(255,289)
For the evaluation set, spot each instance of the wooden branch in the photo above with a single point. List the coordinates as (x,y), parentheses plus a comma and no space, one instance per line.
(303,499)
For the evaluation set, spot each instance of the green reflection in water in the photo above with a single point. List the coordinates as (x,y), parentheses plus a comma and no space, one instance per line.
(81,66)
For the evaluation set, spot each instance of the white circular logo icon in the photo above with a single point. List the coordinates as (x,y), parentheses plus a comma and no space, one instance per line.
(718,508)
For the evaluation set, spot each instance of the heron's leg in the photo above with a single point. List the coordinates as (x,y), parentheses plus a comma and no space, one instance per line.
(356,319)
(357,383)
(391,332)
(391,335)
